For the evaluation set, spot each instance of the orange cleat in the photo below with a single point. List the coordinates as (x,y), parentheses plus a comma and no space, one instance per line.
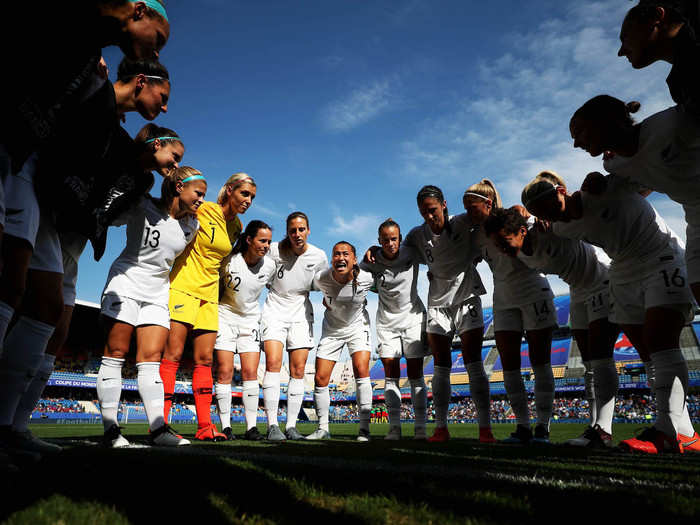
(486,436)
(209,433)
(689,443)
(441,435)
(651,441)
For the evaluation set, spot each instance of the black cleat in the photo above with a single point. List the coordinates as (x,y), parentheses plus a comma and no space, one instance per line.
(521,436)
(253,434)
(228,433)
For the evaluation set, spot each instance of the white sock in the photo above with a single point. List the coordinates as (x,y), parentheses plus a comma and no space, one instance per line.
(419,399)
(606,385)
(364,401)
(589,391)
(322,402)
(651,373)
(251,397)
(441,394)
(271,396)
(515,388)
(544,393)
(295,398)
(671,388)
(151,390)
(109,389)
(31,397)
(24,349)
(392,396)
(222,391)
(479,388)
(6,313)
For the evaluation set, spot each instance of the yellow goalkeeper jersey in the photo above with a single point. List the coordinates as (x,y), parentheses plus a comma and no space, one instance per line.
(196,270)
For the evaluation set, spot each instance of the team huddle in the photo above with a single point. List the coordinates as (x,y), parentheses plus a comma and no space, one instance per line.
(191,271)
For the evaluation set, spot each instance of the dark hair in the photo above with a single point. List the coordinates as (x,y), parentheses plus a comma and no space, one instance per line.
(152,13)
(355,268)
(152,131)
(508,219)
(251,230)
(677,11)
(433,192)
(604,108)
(388,224)
(286,245)
(129,68)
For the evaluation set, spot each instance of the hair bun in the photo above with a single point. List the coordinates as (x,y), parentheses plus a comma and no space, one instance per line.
(633,106)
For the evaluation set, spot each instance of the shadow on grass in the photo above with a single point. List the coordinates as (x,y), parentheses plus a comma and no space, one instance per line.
(341,481)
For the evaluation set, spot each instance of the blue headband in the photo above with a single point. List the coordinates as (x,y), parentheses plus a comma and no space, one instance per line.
(163,138)
(155,5)
(193,177)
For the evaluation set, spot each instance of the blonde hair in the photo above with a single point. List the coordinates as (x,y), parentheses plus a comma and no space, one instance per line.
(551,176)
(234,181)
(168,189)
(487,189)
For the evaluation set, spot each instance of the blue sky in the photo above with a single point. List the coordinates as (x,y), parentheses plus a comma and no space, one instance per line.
(345,109)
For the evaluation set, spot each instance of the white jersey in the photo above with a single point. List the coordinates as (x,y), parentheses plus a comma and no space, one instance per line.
(626,226)
(450,258)
(153,241)
(288,299)
(396,283)
(345,308)
(514,283)
(662,163)
(576,262)
(243,285)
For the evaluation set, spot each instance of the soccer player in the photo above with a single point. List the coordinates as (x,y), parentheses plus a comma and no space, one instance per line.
(161,151)
(400,325)
(586,272)
(345,322)
(243,280)
(646,153)
(447,246)
(649,295)
(31,249)
(194,297)
(522,304)
(287,320)
(135,299)
(667,30)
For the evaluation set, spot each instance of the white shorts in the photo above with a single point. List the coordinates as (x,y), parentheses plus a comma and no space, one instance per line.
(234,337)
(534,316)
(409,343)
(594,308)
(666,285)
(329,347)
(24,220)
(456,319)
(293,335)
(133,312)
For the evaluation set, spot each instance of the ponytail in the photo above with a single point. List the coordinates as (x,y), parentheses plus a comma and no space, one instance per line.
(251,231)
(605,109)
(148,134)
(433,192)
(487,190)
(168,189)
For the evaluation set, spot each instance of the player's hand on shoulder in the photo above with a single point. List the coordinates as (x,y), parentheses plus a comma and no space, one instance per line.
(371,254)
(543,226)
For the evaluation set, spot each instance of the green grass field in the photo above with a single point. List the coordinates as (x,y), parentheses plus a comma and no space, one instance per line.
(342,481)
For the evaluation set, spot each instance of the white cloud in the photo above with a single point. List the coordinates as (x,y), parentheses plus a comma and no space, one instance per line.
(513,120)
(258,207)
(360,106)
